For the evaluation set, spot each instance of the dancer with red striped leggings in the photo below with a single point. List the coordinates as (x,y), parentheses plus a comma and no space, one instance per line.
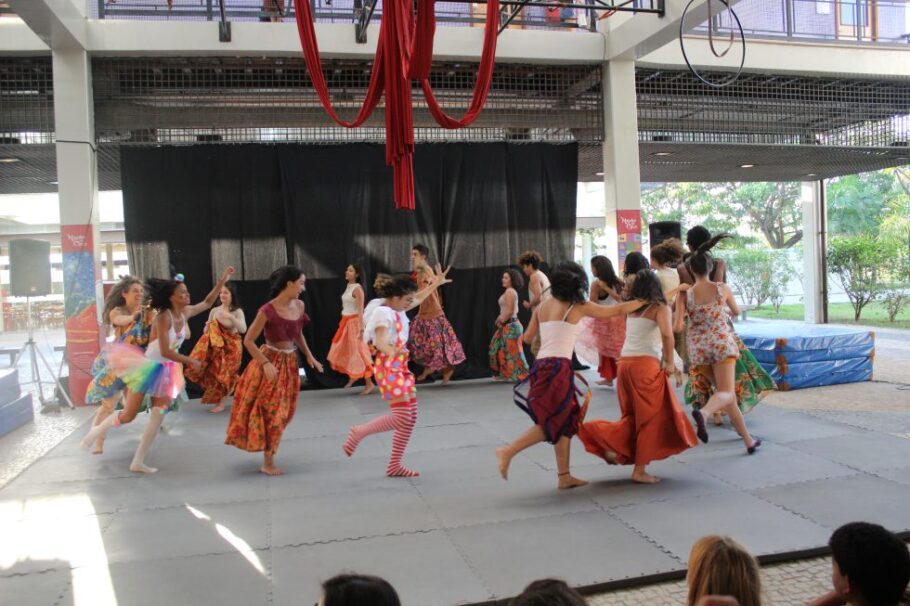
(387,331)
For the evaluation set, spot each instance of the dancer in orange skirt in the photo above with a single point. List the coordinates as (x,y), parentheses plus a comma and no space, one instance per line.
(219,350)
(653,425)
(349,354)
(552,399)
(266,395)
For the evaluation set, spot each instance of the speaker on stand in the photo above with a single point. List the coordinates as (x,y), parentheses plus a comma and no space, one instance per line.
(664,230)
(30,276)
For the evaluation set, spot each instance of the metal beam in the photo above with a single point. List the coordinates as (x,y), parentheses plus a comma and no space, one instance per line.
(59,23)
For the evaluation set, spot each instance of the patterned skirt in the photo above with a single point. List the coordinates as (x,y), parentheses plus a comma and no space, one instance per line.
(348,354)
(552,398)
(220,353)
(507,355)
(652,425)
(395,381)
(751,382)
(105,383)
(433,344)
(263,409)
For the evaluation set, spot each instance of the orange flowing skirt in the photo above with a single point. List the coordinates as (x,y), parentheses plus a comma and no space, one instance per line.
(263,409)
(220,353)
(348,354)
(653,426)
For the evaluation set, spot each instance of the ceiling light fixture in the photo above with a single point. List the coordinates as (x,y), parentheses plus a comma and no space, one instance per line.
(599,174)
(746,165)
(11,160)
(662,154)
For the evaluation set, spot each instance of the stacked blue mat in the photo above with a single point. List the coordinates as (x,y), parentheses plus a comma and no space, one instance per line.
(810,355)
(15,406)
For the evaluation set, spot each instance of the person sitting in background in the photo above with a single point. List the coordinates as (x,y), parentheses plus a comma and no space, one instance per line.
(870,567)
(719,566)
(548,592)
(358,590)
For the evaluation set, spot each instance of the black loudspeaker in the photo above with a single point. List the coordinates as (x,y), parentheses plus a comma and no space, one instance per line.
(664,230)
(29,268)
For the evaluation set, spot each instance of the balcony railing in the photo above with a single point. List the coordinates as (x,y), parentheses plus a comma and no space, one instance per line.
(866,21)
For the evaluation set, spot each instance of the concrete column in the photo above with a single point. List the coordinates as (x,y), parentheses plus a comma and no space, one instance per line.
(77,174)
(814,279)
(622,180)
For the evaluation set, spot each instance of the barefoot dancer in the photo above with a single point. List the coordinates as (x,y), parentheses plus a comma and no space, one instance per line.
(157,372)
(538,287)
(132,325)
(602,339)
(387,330)
(709,340)
(219,350)
(348,354)
(432,342)
(507,354)
(552,401)
(652,426)
(266,395)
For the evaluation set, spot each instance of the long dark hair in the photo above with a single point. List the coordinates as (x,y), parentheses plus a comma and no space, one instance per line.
(358,279)
(515,276)
(279,279)
(635,262)
(397,285)
(116,298)
(700,262)
(358,590)
(646,286)
(603,270)
(235,298)
(569,283)
(160,291)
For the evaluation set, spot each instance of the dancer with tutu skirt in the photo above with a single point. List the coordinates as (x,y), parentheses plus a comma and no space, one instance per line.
(552,397)
(219,350)
(432,342)
(709,341)
(602,339)
(132,325)
(265,398)
(387,331)
(653,426)
(156,373)
(348,354)
(507,355)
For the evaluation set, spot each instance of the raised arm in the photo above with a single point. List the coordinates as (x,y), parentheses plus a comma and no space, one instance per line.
(206,304)
(440,279)
(599,311)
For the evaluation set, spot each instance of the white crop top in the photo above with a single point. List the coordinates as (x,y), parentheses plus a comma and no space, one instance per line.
(642,338)
(557,337)
(153,352)
(348,302)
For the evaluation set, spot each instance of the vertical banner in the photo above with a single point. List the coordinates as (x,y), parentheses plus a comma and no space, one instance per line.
(80,307)
(628,233)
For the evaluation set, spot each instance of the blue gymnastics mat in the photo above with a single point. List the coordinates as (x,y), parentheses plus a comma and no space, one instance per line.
(810,355)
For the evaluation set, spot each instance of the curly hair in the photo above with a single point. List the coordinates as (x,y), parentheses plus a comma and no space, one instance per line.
(116,297)
(569,283)
(278,280)
(530,257)
(515,276)
(397,285)
(700,262)
(669,253)
(160,291)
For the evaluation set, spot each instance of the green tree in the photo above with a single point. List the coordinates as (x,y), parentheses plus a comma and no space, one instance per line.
(856,261)
(857,203)
(773,209)
(750,271)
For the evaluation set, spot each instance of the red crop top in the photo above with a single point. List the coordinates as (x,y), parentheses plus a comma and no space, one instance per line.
(279,329)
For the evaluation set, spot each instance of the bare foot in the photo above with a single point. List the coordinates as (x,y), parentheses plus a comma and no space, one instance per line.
(502,454)
(447,376)
(218,408)
(349,383)
(99,447)
(271,470)
(367,390)
(718,419)
(142,468)
(423,376)
(569,481)
(645,478)
(605,382)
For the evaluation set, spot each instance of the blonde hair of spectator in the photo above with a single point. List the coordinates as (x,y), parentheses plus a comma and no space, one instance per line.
(722,567)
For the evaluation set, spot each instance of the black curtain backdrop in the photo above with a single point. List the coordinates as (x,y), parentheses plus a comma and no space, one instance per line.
(195,209)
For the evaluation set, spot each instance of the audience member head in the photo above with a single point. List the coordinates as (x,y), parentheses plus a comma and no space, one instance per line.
(569,283)
(602,269)
(870,566)
(288,279)
(229,297)
(167,294)
(719,566)
(700,262)
(514,278)
(668,253)
(353,275)
(635,262)
(398,290)
(548,592)
(127,292)
(697,236)
(358,590)
(646,286)
(529,261)
(419,254)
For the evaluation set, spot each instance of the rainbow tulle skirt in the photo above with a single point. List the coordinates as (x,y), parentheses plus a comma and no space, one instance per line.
(155,378)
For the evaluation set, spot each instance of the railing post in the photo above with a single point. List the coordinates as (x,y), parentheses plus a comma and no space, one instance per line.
(101,9)
(788,16)
(208,10)
(857,21)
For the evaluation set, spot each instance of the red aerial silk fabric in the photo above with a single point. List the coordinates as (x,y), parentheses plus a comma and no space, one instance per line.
(404,52)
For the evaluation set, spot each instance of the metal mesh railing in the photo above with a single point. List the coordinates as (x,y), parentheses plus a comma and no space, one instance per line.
(764,109)
(26,101)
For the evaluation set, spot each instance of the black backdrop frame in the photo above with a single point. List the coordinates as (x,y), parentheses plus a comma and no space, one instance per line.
(194,209)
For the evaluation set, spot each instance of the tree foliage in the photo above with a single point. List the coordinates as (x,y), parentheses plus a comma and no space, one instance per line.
(857,261)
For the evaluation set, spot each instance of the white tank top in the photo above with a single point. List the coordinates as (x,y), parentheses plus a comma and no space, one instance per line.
(557,337)
(153,352)
(642,338)
(348,303)
(502,308)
